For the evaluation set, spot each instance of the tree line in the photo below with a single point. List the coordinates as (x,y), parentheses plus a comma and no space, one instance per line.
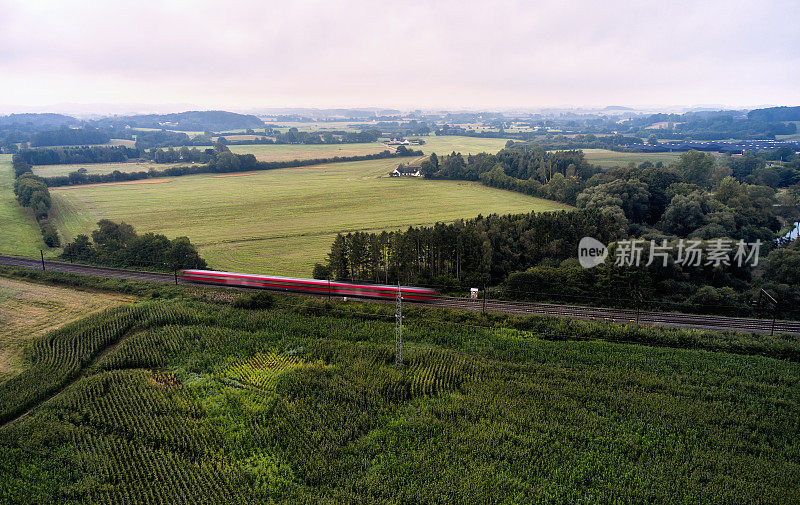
(118,245)
(76,155)
(221,160)
(164,138)
(474,252)
(69,137)
(697,196)
(31,192)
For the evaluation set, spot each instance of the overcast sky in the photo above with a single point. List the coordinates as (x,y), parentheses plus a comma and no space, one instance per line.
(461,54)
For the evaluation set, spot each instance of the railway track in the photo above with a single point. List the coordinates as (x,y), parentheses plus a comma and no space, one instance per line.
(675,320)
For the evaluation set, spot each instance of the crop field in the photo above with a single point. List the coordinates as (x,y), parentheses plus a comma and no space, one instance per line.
(19,233)
(607,159)
(28,310)
(102,168)
(281,221)
(187,402)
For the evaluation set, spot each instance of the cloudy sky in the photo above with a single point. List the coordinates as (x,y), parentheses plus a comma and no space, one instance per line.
(460,54)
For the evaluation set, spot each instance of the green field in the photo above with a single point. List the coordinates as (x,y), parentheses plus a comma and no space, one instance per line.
(433,144)
(290,152)
(464,145)
(183,402)
(19,233)
(607,159)
(281,221)
(102,168)
(285,152)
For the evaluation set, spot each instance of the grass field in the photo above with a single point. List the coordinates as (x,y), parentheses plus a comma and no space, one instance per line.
(281,221)
(19,233)
(102,168)
(285,152)
(439,145)
(186,402)
(28,310)
(607,159)
(464,145)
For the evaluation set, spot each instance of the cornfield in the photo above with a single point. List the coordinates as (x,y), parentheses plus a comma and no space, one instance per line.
(188,402)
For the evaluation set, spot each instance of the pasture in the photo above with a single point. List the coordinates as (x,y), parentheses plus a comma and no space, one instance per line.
(446,144)
(19,233)
(281,221)
(607,159)
(433,144)
(290,152)
(103,168)
(29,310)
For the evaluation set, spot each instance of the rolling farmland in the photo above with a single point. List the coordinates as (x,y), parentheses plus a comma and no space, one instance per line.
(439,145)
(281,221)
(287,152)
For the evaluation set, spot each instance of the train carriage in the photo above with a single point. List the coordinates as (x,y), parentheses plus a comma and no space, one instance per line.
(311,286)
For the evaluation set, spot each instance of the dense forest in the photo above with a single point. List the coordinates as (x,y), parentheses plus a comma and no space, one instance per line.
(146,139)
(775,114)
(479,251)
(698,198)
(69,137)
(208,120)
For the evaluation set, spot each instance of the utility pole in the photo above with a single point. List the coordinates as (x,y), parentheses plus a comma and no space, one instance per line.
(639,298)
(484,298)
(774,302)
(42,253)
(398,332)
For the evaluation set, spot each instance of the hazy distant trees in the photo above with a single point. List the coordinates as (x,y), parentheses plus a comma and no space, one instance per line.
(69,137)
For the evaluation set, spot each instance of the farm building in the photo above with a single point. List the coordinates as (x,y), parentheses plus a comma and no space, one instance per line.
(403,170)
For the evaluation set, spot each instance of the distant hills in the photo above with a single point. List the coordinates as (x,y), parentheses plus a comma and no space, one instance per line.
(37,121)
(775,114)
(208,120)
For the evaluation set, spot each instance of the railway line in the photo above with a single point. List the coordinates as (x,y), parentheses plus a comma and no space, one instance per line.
(675,320)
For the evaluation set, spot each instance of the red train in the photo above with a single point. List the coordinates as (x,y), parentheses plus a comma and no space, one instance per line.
(315,286)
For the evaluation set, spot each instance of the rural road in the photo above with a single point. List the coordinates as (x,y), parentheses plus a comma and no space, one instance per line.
(675,320)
